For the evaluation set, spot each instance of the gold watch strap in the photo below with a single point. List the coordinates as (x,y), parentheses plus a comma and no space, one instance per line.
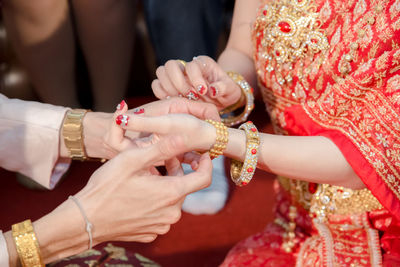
(73,133)
(26,244)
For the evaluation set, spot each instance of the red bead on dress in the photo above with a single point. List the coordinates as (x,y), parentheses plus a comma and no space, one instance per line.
(284,26)
(312,187)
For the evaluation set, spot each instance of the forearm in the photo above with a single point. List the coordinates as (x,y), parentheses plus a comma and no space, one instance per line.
(235,60)
(309,158)
(60,234)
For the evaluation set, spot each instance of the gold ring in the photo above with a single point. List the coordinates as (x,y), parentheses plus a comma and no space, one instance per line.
(183,62)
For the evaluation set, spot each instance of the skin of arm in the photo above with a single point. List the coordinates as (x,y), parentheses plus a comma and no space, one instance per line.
(237,55)
(309,158)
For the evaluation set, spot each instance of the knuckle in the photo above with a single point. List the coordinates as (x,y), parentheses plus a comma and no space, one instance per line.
(163,229)
(159,71)
(170,63)
(175,216)
(148,238)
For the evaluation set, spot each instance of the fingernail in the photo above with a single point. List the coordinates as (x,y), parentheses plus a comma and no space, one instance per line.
(192,95)
(201,89)
(167,97)
(194,165)
(122,119)
(214,91)
(138,111)
(121,105)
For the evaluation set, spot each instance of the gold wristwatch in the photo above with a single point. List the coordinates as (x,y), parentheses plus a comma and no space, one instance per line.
(72,131)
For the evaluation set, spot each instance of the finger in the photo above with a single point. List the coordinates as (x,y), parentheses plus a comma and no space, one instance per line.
(199,179)
(195,76)
(159,125)
(189,157)
(174,167)
(158,89)
(222,91)
(146,157)
(143,238)
(115,135)
(174,71)
(166,84)
(181,105)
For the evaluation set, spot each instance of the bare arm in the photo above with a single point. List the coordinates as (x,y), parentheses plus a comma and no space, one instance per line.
(238,54)
(308,158)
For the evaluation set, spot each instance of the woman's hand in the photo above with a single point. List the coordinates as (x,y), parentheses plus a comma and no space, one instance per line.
(196,134)
(104,140)
(201,79)
(125,200)
(130,195)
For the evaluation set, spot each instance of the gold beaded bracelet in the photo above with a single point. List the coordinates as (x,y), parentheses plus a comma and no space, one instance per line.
(242,172)
(221,140)
(26,244)
(246,97)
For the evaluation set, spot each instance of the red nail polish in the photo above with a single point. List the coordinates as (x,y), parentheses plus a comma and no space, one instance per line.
(201,89)
(192,95)
(214,91)
(138,111)
(121,105)
(122,120)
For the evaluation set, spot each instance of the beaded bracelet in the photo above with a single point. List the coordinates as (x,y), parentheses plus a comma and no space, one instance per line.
(221,140)
(242,172)
(247,97)
(26,244)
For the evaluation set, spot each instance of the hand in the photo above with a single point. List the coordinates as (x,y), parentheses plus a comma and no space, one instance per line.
(196,134)
(201,79)
(104,140)
(130,195)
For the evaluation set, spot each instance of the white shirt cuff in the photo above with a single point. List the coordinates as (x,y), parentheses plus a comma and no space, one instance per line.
(4,258)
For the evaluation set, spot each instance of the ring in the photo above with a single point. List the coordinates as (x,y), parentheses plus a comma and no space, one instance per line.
(182,62)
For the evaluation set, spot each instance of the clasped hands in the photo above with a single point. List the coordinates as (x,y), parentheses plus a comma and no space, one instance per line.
(127,199)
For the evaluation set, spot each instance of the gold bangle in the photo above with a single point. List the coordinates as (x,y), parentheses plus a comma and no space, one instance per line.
(221,140)
(242,172)
(27,244)
(247,97)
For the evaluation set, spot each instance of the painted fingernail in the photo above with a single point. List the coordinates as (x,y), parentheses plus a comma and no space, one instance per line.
(122,120)
(192,95)
(138,111)
(121,105)
(201,89)
(167,97)
(214,91)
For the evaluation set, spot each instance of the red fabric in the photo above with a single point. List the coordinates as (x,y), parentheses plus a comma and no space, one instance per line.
(356,159)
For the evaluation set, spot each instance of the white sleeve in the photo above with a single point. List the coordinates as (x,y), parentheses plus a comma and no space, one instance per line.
(4,258)
(29,140)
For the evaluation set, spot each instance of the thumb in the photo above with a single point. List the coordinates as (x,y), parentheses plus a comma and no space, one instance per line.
(199,179)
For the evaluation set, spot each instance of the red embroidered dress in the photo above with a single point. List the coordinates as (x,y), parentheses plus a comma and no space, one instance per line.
(332,68)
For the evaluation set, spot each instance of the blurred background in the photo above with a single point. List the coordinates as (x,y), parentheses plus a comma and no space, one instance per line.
(92,54)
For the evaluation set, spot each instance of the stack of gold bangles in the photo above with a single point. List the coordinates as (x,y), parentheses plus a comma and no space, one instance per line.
(241,172)
(26,244)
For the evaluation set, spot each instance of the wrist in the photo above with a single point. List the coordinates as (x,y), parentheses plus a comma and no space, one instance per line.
(61,233)
(95,126)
